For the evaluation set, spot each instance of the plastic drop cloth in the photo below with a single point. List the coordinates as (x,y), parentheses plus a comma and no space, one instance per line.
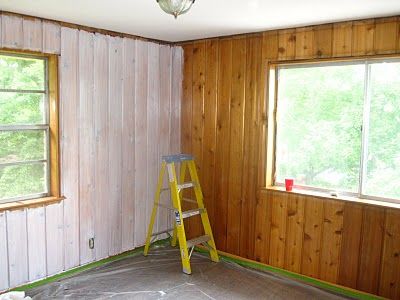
(159,276)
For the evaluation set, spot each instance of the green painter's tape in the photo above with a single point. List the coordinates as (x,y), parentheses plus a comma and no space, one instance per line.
(315,282)
(95,264)
(253,265)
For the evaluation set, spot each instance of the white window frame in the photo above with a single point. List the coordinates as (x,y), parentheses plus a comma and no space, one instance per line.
(272,128)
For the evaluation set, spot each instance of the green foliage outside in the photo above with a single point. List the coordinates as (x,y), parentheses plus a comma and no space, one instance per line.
(22,109)
(319,136)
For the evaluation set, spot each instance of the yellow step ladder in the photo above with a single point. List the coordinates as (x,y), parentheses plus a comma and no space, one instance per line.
(186,162)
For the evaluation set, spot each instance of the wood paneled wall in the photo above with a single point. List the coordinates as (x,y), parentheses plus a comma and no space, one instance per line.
(120,111)
(224,126)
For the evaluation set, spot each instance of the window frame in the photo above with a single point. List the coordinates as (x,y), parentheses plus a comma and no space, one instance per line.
(51,128)
(272,106)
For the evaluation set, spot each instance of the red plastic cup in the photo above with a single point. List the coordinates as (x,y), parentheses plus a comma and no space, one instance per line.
(289,184)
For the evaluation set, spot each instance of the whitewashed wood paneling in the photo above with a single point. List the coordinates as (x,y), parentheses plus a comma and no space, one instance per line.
(32,32)
(102,188)
(12,35)
(17,247)
(128,145)
(4,282)
(55,238)
(36,226)
(119,112)
(69,99)
(141,134)
(86,145)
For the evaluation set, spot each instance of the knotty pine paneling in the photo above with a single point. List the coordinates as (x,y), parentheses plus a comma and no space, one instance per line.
(330,240)
(110,98)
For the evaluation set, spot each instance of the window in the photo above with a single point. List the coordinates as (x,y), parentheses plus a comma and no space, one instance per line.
(28,127)
(338,127)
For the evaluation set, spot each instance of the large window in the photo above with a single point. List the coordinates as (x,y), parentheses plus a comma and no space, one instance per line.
(26,145)
(338,127)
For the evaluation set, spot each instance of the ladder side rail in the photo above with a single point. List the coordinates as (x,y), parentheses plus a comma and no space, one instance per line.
(178,218)
(204,215)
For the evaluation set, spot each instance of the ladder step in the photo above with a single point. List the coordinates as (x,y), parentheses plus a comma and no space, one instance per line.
(189,200)
(186,185)
(192,212)
(197,241)
(163,231)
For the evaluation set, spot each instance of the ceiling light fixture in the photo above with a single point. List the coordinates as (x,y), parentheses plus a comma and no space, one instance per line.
(175,7)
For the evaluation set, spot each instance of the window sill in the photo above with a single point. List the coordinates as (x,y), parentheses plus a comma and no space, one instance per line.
(327,196)
(30,203)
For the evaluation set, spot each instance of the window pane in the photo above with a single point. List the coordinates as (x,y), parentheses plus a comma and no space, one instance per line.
(383,166)
(22,109)
(319,118)
(21,73)
(22,145)
(21,180)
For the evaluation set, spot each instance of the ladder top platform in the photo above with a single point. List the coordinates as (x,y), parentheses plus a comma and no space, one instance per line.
(177,158)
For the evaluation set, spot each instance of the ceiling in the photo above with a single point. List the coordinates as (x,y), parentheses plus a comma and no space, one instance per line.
(207,18)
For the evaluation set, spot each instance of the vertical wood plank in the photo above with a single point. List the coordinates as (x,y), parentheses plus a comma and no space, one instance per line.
(17,247)
(55,238)
(70,143)
(198,121)
(331,240)
(153,137)
(167,135)
(263,226)
(186,113)
(314,210)
(350,248)
(386,35)
(323,40)
(371,249)
(270,45)
(100,109)
(287,44)
(51,37)
(389,284)
(250,148)
(278,229)
(12,35)
(141,73)
(36,219)
(363,37)
(223,140)
(114,143)
(176,96)
(342,39)
(210,120)
(128,145)
(32,30)
(86,146)
(294,233)
(304,43)
(4,282)
(236,145)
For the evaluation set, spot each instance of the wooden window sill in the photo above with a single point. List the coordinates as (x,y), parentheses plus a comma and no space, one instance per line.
(323,195)
(30,203)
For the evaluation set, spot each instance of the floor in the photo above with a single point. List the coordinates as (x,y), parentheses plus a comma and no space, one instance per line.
(159,276)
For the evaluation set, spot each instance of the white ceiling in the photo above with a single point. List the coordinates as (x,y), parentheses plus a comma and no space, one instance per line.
(207,18)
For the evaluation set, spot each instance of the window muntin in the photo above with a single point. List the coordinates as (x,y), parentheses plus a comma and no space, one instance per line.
(328,138)
(24,127)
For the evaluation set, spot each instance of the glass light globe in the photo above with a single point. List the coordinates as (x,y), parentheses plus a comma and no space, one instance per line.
(175,7)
